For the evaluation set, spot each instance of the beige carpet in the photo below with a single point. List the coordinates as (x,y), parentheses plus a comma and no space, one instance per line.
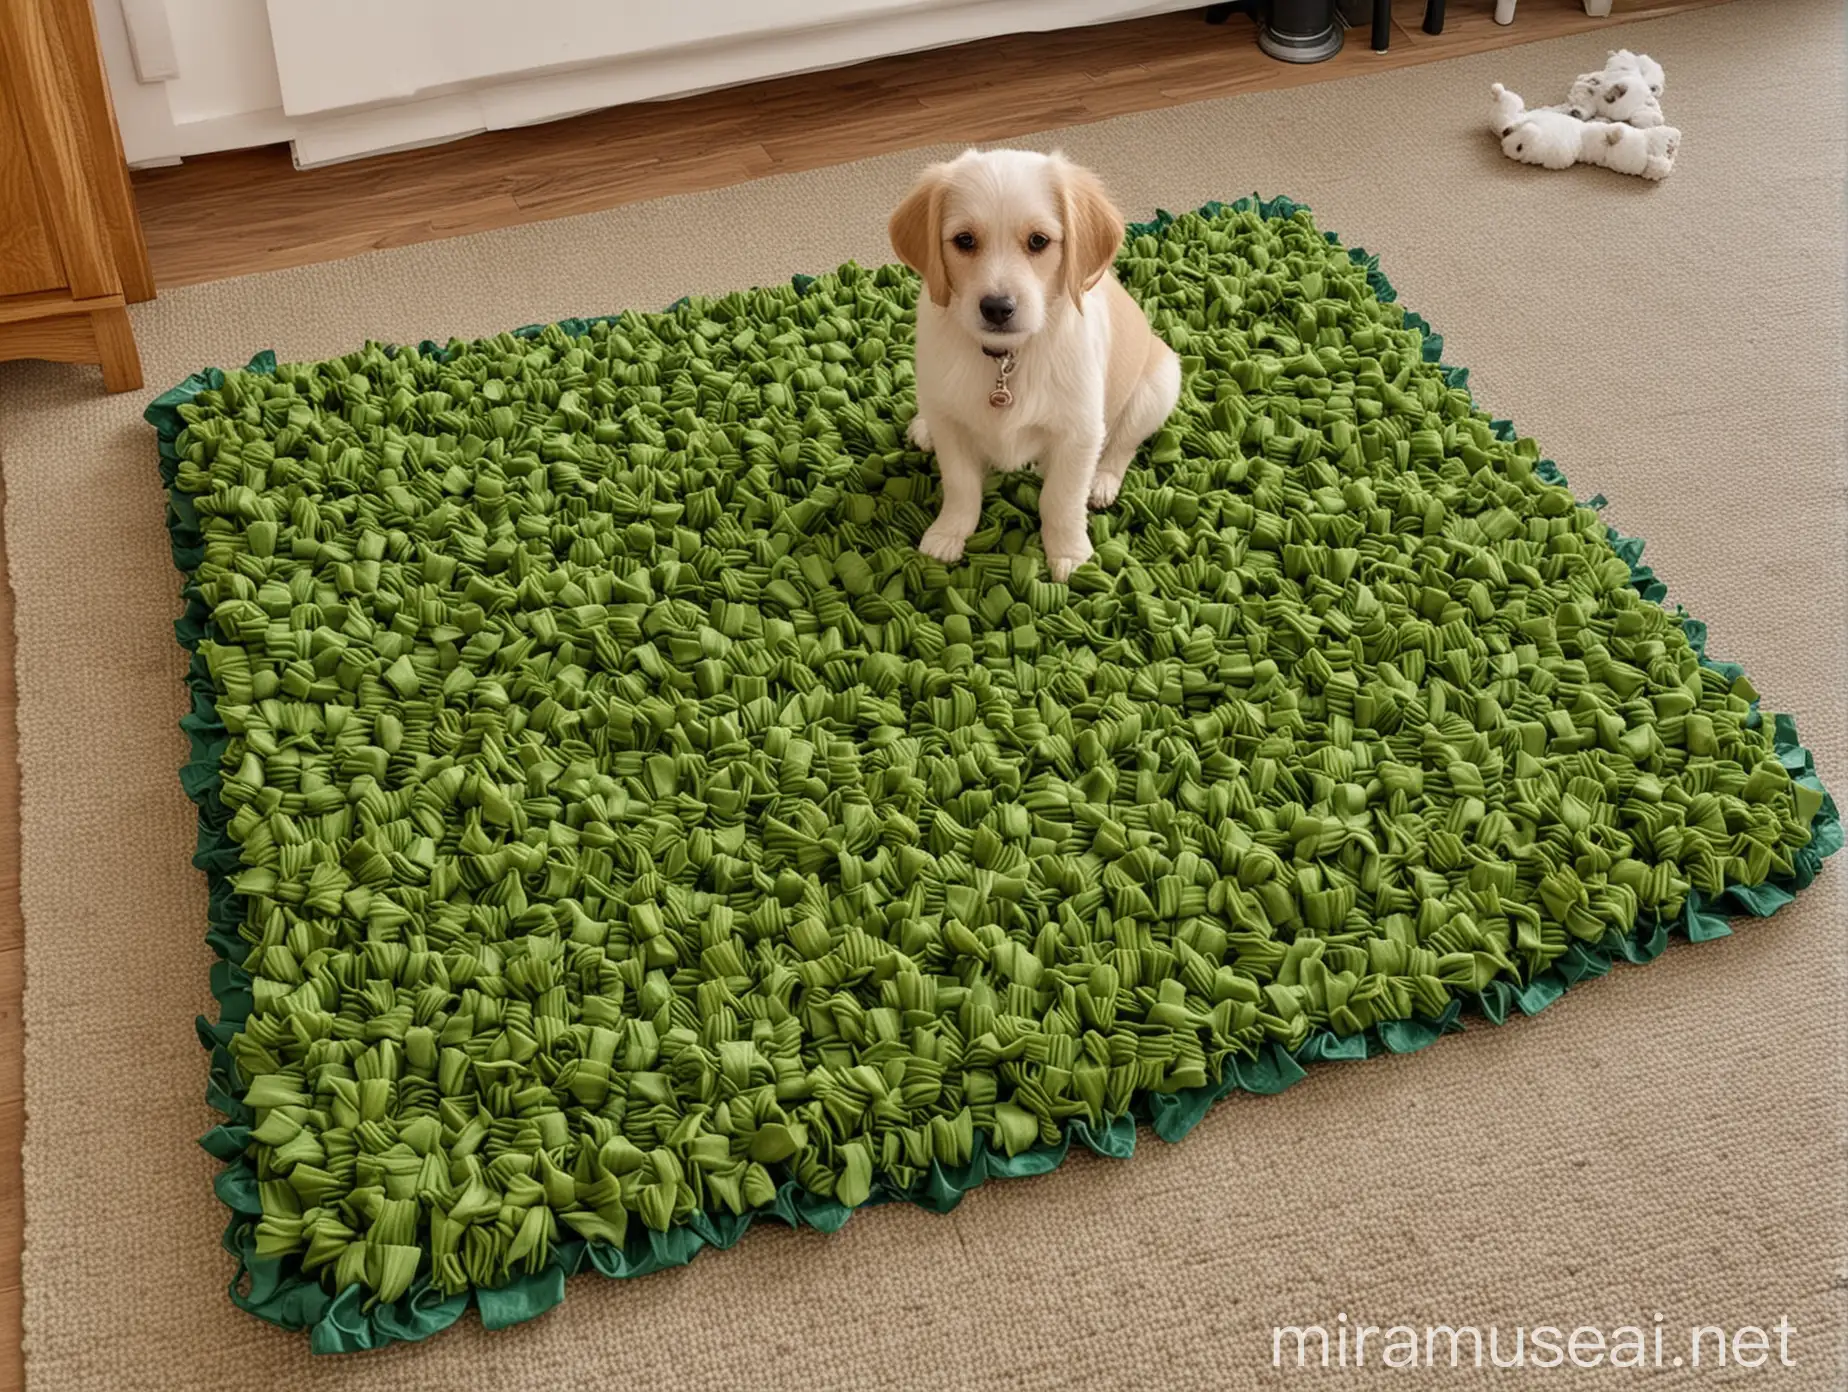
(1669,1139)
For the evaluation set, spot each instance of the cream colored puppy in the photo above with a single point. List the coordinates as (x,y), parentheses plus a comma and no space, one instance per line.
(1028,349)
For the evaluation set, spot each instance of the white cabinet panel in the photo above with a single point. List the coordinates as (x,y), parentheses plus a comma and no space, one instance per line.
(340,79)
(222,94)
(332,54)
(226,62)
(150,39)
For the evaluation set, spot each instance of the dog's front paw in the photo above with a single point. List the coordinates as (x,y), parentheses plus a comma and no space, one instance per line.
(918,432)
(1104,489)
(1063,562)
(943,543)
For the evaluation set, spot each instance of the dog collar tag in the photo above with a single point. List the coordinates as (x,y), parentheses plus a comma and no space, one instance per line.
(1001,395)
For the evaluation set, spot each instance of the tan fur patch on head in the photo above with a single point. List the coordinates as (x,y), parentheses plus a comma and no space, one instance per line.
(1093,227)
(916,230)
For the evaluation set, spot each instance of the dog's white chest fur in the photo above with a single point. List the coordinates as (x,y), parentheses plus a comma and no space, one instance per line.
(1053,387)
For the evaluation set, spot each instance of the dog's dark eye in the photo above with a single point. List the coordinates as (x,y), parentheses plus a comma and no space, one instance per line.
(963,241)
(1039,241)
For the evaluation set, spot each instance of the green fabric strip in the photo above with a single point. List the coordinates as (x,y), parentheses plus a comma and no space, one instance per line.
(615,833)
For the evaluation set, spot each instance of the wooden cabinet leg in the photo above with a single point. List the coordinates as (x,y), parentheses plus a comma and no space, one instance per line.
(101,335)
(62,178)
(115,345)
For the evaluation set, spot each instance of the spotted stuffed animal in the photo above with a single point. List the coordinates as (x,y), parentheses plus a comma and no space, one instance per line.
(1629,89)
(1558,139)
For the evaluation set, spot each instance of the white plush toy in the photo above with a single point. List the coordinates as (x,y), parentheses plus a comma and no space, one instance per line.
(1629,89)
(1559,140)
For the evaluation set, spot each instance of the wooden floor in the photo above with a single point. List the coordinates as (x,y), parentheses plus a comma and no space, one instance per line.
(231,214)
(12,988)
(226,215)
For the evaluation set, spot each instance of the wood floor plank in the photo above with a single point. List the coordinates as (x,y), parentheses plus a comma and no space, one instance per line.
(12,1205)
(12,993)
(251,210)
(12,1034)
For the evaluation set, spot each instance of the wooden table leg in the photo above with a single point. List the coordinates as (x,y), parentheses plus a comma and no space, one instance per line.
(1434,16)
(1382,25)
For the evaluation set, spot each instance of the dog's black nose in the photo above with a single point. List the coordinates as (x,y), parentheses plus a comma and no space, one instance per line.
(997,309)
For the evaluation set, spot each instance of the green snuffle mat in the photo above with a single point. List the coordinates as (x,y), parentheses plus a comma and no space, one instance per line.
(616,831)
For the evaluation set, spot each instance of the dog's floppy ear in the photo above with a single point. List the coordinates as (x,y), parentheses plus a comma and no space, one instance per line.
(1093,228)
(916,230)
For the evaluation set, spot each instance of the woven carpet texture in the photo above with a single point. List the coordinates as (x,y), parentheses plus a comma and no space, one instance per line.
(1667,1139)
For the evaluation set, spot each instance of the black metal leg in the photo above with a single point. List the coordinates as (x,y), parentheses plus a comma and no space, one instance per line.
(1434,16)
(1382,25)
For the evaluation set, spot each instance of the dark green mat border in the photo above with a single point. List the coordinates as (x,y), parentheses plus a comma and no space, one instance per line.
(277,1291)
